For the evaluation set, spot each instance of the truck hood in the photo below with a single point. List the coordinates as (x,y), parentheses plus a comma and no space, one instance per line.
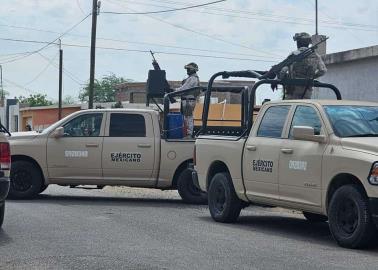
(361,144)
(23,135)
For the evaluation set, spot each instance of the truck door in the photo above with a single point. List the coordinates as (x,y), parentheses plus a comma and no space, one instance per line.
(129,148)
(77,155)
(301,161)
(261,153)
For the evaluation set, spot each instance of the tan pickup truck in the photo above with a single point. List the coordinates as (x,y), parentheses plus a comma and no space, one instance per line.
(316,156)
(102,147)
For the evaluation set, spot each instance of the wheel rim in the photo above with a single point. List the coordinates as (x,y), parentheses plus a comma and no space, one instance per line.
(347,217)
(21,180)
(219,199)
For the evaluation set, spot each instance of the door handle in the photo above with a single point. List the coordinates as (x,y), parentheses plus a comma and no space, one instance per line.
(287,150)
(251,147)
(91,145)
(144,145)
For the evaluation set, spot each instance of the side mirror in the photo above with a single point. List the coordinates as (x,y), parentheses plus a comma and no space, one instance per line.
(58,133)
(307,134)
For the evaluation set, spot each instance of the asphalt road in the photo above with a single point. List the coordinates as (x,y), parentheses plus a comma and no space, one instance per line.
(142,229)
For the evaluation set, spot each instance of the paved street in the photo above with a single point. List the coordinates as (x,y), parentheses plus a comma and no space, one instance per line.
(142,229)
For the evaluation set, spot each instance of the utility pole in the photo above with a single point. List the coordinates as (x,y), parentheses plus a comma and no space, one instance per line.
(95,11)
(316,17)
(60,79)
(2,89)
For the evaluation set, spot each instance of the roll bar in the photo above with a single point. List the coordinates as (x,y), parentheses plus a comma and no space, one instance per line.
(242,90)
(288,82)
(223,89)
(247,111)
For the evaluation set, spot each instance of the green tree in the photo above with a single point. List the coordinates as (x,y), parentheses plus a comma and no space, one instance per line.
(35,100)
(68,100)
(104,89)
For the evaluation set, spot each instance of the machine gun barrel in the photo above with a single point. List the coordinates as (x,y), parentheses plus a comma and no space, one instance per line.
(155,64)
(290,60)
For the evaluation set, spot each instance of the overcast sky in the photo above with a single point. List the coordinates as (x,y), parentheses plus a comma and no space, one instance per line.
(231,35)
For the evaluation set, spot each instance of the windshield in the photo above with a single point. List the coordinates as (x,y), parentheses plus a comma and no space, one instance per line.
(353,121)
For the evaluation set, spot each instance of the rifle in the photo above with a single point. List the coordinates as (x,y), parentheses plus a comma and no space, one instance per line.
(274,71)
(167,87)
(155,64)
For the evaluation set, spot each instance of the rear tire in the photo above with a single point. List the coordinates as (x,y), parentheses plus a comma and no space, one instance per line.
(2,212)
(25,180)
(188,191)
(350,220)
(314,218)
(224,205)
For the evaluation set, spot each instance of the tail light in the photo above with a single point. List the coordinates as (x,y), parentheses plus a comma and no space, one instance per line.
(5,156)
(194,156)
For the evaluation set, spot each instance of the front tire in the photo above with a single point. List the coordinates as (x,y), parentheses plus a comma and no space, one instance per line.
(314,218)
(2,212)
(25,180)
(188,191)
(224,205)
(350,220)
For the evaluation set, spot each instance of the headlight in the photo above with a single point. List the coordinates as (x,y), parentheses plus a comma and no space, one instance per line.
(373,176)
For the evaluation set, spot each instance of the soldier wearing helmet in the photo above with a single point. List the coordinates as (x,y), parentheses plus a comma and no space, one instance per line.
(193,79)
(188,102)
(311,67)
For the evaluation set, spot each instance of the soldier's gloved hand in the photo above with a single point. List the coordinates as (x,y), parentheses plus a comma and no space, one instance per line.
(274,86)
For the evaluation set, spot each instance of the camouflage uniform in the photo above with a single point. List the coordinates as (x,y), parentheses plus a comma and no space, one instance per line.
(311,67)
(188,102)
(190,82)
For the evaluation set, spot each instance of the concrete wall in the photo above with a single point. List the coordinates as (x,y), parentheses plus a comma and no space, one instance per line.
(354,72)
(356,80)
(41,118)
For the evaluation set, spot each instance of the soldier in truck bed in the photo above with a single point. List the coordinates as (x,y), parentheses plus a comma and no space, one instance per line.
(311,67)
(188,102)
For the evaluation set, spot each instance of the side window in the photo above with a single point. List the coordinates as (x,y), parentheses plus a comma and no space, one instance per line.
(273,122)
(87,125)
(127,125)
(306,116)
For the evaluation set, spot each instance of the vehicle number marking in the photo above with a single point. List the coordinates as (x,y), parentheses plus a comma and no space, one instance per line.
(298,165)
(76,154)
(259,165)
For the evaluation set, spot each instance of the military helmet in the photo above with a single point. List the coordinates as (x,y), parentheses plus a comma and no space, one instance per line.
(302,36)
(192,66)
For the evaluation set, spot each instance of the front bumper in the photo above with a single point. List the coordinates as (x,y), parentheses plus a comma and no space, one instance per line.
(4,187)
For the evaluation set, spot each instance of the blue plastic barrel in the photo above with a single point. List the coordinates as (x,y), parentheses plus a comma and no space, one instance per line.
(175,125)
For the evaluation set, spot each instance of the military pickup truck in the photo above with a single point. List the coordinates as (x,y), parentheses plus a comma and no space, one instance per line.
(5,162)
(316,156)
(102,147)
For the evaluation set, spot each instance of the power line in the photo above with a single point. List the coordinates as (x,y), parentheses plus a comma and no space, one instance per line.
(269,17)
(42,71)
(131,42)
(65,71)
(209,36)
(49,43)
(24,88)
(148,51)
(163,11)
(79,6)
